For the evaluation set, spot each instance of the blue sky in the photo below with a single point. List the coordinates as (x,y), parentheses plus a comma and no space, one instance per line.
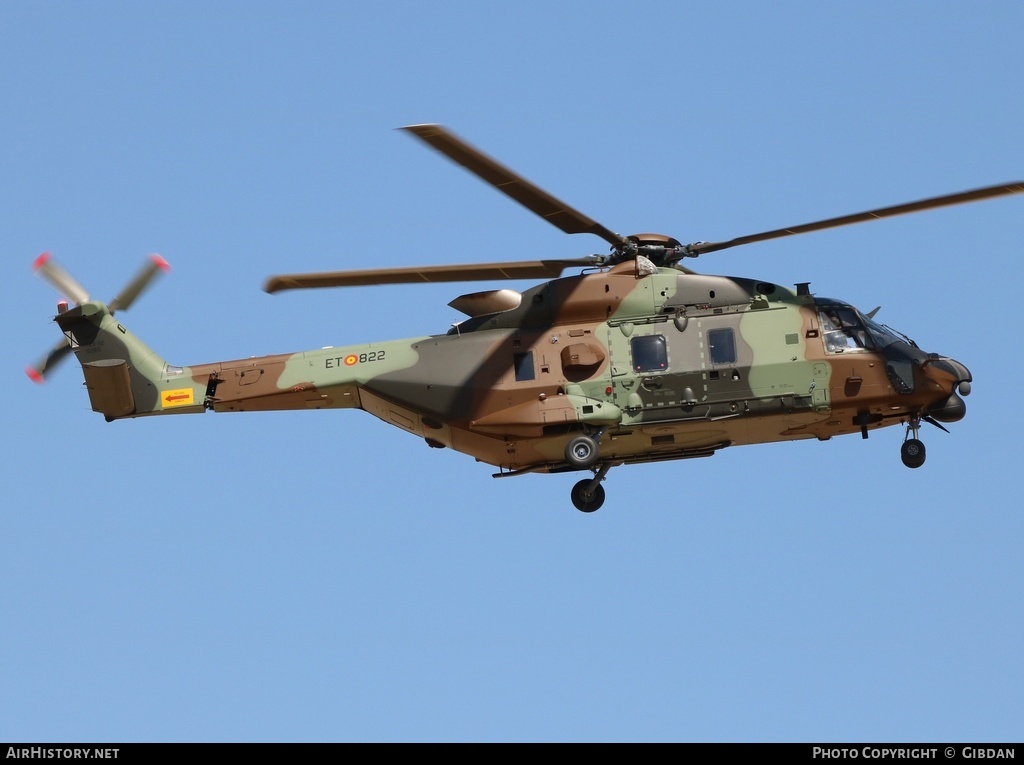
(321,577)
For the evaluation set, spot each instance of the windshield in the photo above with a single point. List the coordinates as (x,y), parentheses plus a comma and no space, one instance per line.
(846,329)
(884,335)
(843,328)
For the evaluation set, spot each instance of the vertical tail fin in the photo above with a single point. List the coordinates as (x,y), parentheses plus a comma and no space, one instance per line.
(124,376)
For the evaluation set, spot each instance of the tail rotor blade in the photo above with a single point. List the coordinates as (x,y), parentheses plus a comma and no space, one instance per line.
(135,287)
(37,372)
(64,282)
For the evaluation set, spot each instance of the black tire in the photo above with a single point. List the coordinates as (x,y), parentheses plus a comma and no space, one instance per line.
(912,453)
(581,452)
(587,500)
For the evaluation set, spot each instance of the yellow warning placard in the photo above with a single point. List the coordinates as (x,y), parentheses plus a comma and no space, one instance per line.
(180,397)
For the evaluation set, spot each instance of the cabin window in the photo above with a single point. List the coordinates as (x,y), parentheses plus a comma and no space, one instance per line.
(650,353)
(523,364)
(722,345)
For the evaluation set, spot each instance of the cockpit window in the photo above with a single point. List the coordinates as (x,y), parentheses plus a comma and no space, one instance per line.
(843,329)
(846,329)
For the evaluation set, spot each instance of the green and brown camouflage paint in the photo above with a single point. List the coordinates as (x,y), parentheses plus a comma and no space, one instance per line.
(512,388)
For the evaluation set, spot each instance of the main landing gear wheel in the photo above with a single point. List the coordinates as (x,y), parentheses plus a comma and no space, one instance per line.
(587,495)
(581,452)
(912,453)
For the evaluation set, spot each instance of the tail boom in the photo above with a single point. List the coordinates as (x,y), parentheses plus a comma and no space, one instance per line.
(125,378)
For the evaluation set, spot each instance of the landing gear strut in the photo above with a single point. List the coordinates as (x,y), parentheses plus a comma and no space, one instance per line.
(588,494)
(912,452)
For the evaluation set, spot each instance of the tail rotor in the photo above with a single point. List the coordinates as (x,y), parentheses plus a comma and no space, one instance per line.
(51,271)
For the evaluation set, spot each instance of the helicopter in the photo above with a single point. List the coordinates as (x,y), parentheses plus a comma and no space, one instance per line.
(633,359)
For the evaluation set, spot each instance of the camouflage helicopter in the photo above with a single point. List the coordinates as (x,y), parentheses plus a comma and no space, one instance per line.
(633,359)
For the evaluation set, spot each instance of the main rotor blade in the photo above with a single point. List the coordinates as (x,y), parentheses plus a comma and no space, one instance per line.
(60,279)
(38,370)
(527,269)
(131,292)
(1016,187)
(532,197)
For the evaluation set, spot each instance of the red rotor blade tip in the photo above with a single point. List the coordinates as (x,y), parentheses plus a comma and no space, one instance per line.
(40,261)
(162,264)
(34,375)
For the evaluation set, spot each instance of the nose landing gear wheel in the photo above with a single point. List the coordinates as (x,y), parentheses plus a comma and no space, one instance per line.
(587,495)
(912,453)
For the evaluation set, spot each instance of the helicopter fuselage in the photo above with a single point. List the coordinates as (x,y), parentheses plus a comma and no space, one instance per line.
(653,363)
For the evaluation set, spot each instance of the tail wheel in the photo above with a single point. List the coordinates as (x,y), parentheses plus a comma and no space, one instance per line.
(587,495)
(912,453)
(581,452)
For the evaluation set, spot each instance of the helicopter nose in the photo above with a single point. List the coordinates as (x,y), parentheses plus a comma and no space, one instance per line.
(952,371)
(953,376)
